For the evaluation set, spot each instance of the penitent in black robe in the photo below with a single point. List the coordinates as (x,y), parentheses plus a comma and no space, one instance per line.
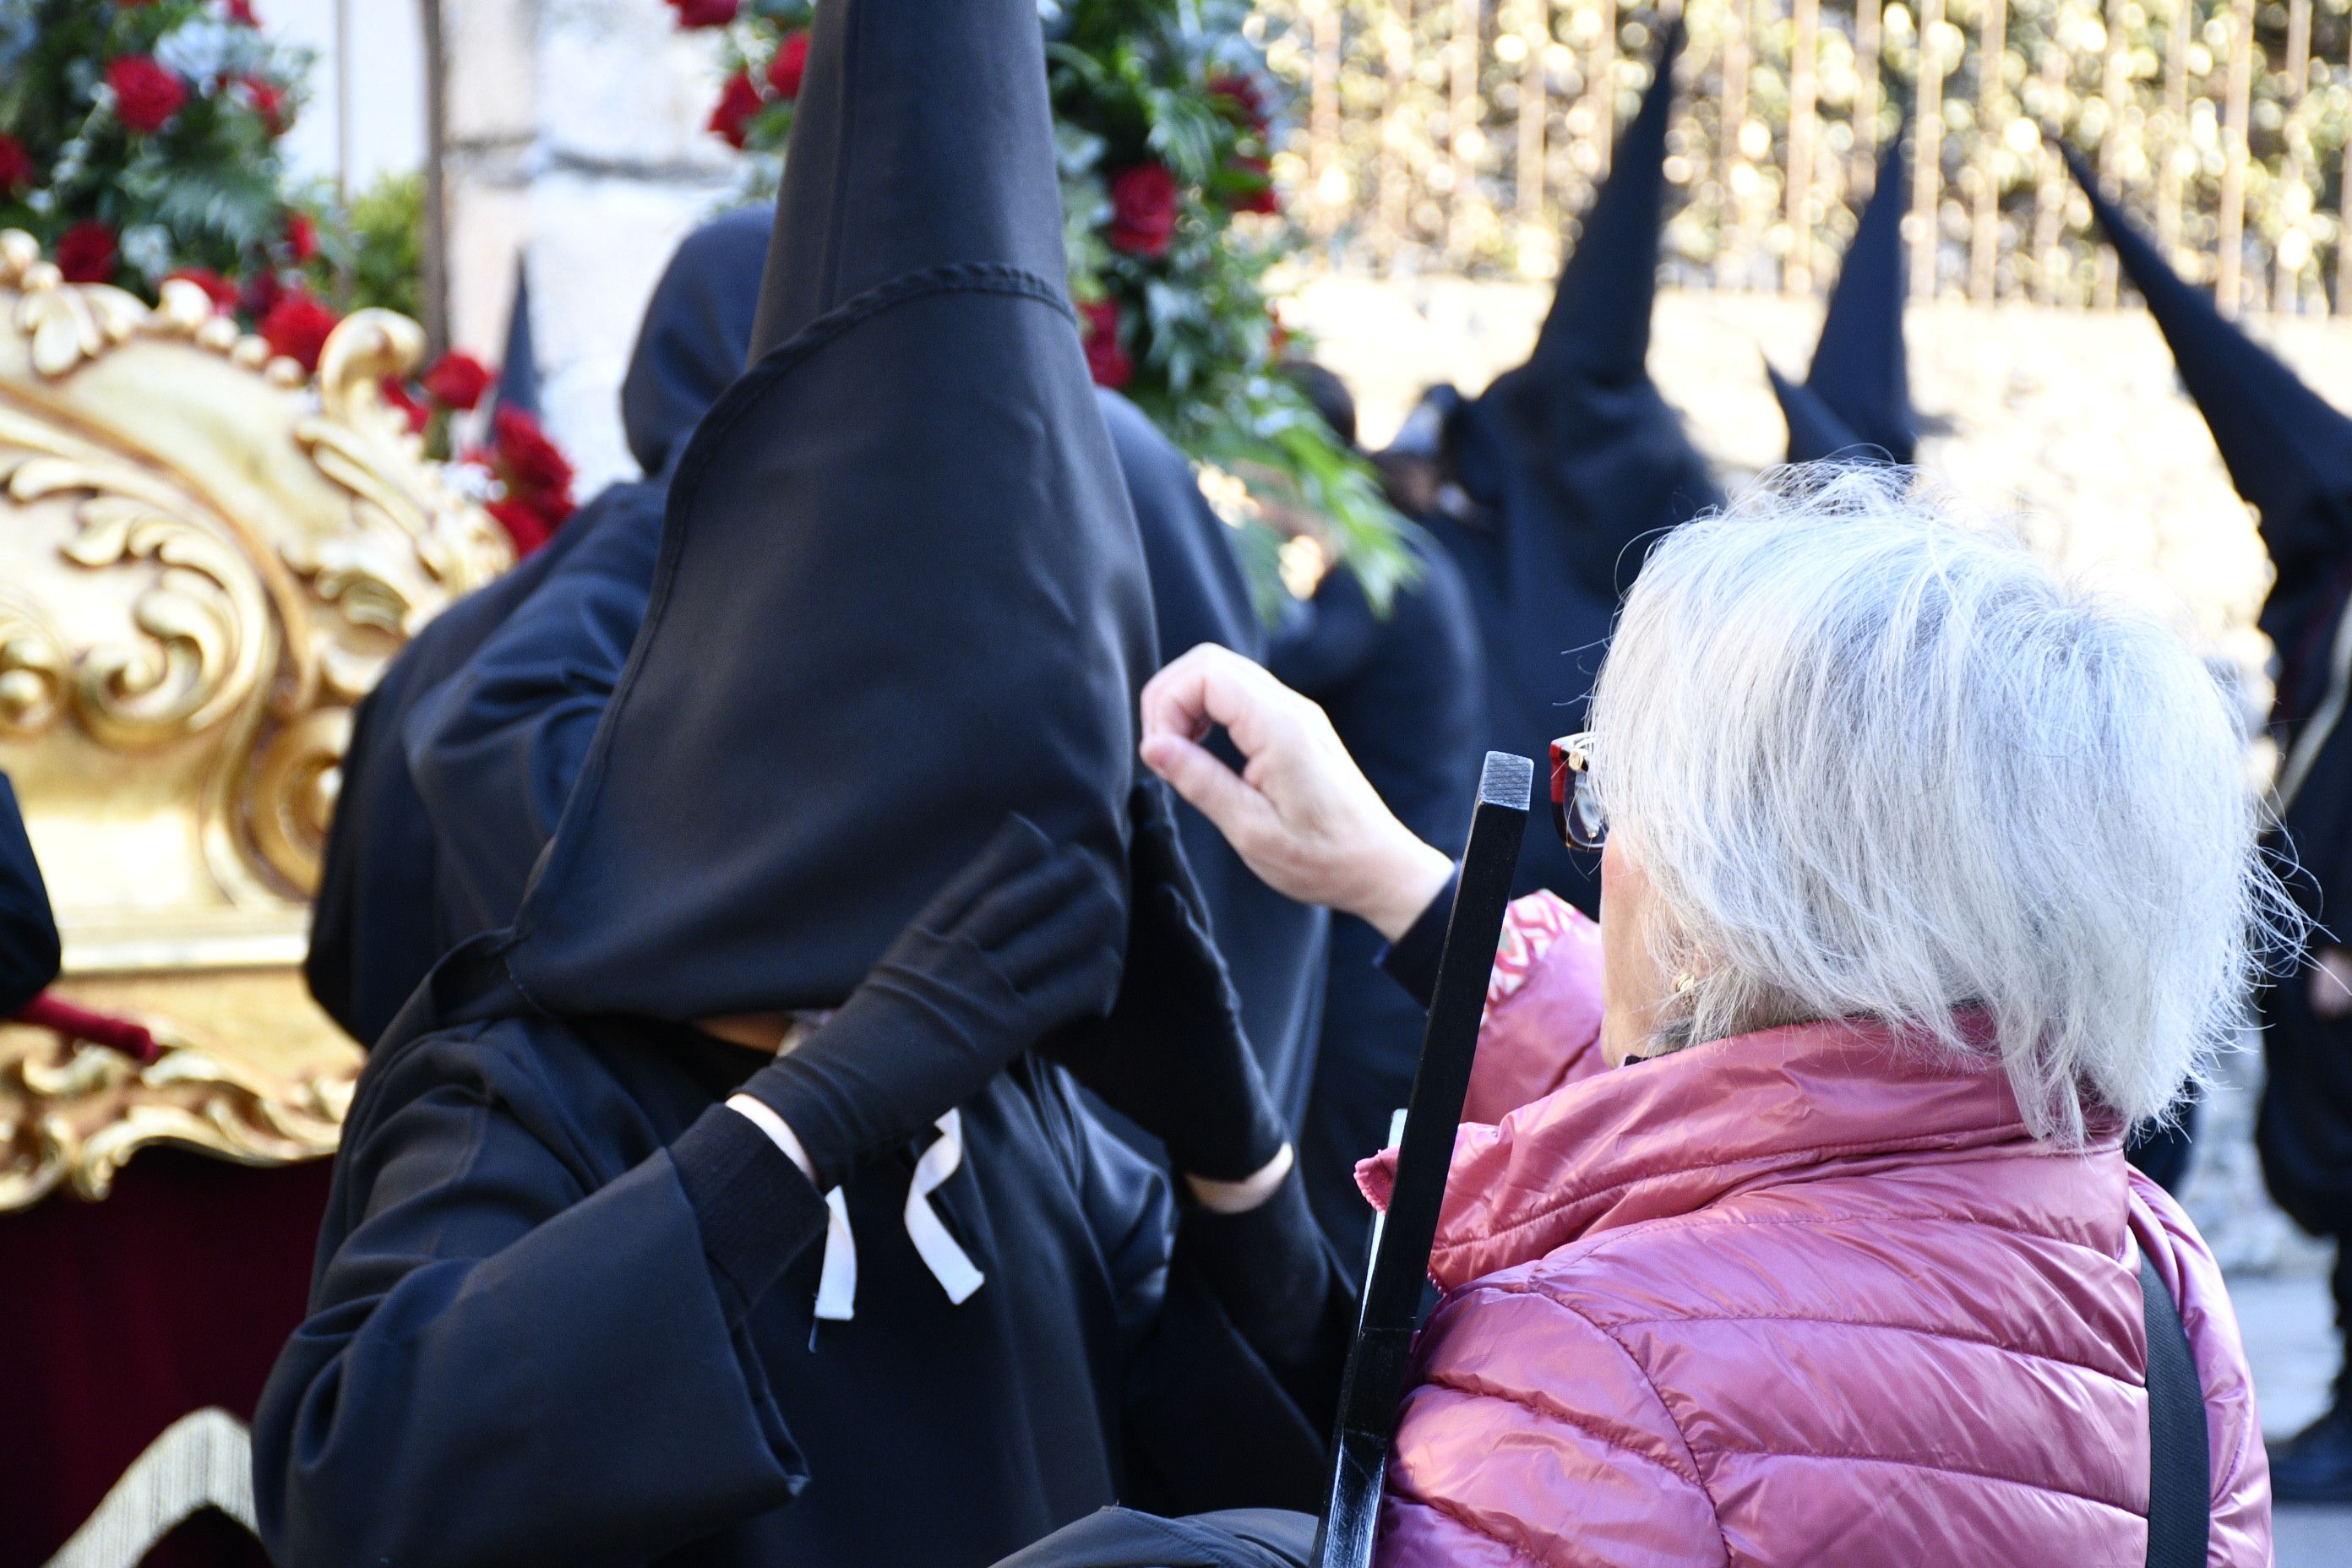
(539,1331)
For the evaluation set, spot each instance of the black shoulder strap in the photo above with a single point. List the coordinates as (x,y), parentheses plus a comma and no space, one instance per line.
(2179,1482)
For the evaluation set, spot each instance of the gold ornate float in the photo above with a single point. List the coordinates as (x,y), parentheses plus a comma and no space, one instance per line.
(207,557)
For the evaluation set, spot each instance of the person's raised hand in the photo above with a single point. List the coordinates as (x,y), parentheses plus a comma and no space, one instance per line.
(1025,940)
(1300,814)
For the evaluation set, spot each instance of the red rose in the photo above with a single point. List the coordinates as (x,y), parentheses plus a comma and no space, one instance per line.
(1106,361)
(1242,98)
(218,288)
(296,327)
(790,63)
(268,101)
(301,236)
(398,396)
(1143,210)
(739,101)
(17,170)
(241,13)
(457,381)
(704,13)
(1256,192)
(528,461)
(146,95)
(86,253)
(526,528)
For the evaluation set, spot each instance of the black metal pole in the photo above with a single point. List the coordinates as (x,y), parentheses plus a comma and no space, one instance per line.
(1374,1381)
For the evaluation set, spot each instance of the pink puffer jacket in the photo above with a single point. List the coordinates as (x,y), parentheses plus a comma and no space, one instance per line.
(1804,1297)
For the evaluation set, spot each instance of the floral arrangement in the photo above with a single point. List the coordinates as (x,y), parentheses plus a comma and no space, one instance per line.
(1166,119)
(139,143)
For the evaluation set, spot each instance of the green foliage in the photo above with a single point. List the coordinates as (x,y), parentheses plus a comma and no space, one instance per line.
(202,189)
(386,223)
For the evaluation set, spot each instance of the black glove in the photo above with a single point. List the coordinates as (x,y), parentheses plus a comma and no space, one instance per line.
(1171,1057)
(1023,941)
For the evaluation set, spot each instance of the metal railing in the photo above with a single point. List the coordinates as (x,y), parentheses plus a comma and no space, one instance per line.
(1465,135)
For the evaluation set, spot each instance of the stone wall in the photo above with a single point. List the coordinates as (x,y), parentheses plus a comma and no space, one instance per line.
(576,147)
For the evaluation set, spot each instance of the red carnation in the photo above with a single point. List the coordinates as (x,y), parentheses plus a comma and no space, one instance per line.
(704,13)
(296,327)
(268,101)
(241,13)
(301,236)
(790,63)
(398,396)
(528,461)
(218,288)
(85,252)
(146,95)
(1143,210)
(1257,193)
(1106,361)
(739,102)
(1242,98)
(17,170)
(457,381)
(527,528)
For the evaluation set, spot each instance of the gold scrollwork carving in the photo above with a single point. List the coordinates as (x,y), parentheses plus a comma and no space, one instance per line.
(73,1114)
(293,792)
(36,670)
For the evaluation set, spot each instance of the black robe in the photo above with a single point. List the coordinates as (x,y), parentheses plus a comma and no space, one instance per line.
(1403,694)
(527,1343)
(379,923)
(29,932)
(495,749)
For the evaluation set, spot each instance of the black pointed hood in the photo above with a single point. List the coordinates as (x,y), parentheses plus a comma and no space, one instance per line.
(519,368)
(696,336)
(1860,377)
(1576,463)
(900,593)
(1599,325)
(2288,451)
(1815,431)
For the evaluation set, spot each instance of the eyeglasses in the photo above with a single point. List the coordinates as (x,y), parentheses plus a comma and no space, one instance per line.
(1575,809)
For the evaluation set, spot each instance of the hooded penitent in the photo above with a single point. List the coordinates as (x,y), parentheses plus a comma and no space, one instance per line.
(1574,463)
(409,875)
(2289,454)
(899,592)
(1855,401)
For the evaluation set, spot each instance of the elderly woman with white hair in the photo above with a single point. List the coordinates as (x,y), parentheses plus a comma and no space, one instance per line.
(1792,1224)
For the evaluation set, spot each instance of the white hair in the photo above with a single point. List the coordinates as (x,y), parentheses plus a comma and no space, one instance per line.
(1875,762)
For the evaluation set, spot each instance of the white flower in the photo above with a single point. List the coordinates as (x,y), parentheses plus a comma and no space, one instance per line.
(148,248)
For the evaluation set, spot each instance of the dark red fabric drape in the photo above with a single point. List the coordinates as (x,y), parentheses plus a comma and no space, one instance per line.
(118,1318)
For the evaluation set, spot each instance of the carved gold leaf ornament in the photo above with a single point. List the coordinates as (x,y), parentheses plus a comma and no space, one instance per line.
(206,558)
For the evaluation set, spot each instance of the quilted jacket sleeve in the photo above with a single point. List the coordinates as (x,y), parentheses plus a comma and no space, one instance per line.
(1542,1027)
(1505,1457)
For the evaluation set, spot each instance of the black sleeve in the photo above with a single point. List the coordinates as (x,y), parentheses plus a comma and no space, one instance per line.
(29,932)
(497,747)
(1235,1327)
(1412,960)
(500,1367)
